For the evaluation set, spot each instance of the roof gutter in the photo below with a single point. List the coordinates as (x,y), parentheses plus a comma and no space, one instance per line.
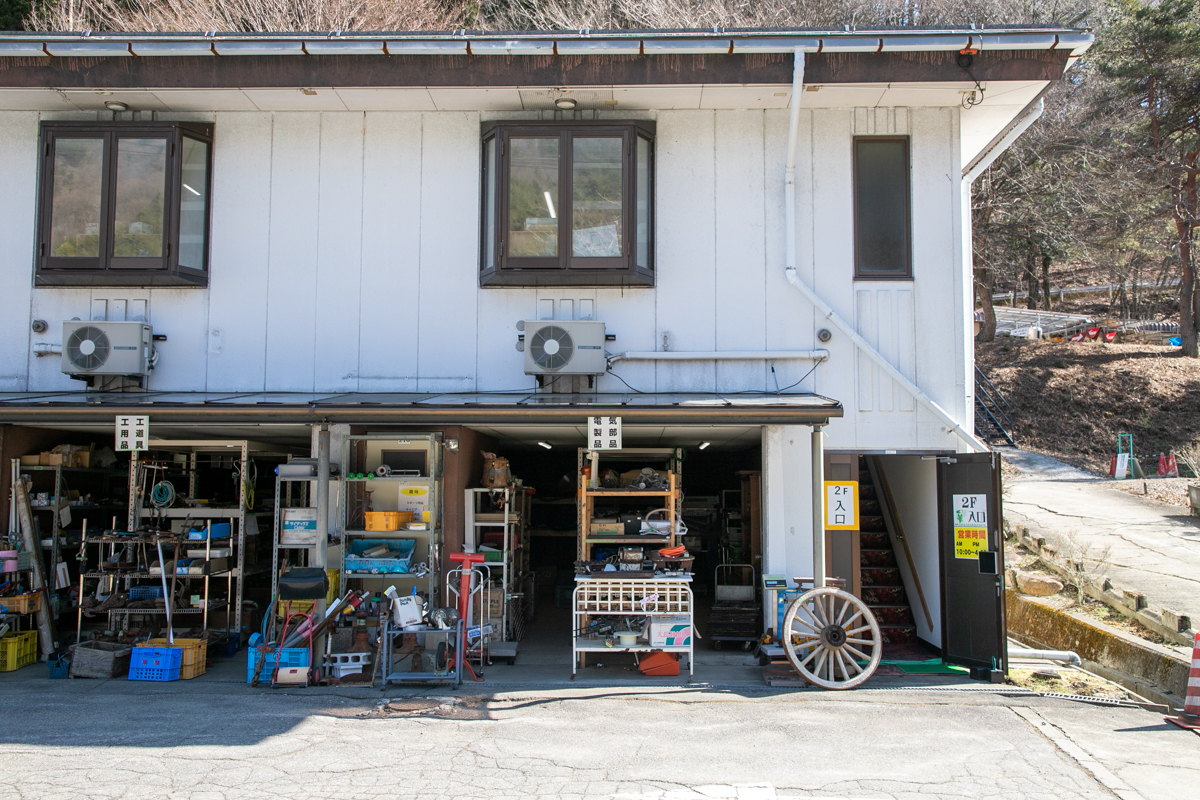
(632,414)
(823,308)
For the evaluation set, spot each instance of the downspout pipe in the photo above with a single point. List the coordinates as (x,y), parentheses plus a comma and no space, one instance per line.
(823,308)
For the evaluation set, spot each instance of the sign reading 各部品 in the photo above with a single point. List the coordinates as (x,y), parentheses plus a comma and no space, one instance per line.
(970,525)
(133,433)
(604,433)
(841,505)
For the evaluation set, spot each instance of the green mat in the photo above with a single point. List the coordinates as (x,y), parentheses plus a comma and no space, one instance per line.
(933,666)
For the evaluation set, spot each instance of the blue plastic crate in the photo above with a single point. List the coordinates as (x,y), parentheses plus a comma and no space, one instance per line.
(155,663)
(288,657)
(399,557)
(145,592)
(220,530)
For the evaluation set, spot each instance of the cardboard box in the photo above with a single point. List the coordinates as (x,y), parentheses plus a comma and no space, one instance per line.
(51,459)
(671,630)
(299,527)
(608,529)
(34,460)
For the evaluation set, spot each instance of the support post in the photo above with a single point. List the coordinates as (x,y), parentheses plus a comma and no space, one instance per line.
(320,551)
(818,506)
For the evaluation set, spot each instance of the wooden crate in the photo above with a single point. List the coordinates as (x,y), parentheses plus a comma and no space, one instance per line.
(100,660)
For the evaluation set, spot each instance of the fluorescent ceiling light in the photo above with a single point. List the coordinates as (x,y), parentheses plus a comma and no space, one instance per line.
(565,104)
(550,205)
(704,445)
(116,105)
(544,444)
(190,189)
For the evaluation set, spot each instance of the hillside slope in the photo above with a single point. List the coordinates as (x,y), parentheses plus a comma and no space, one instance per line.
(1071,400)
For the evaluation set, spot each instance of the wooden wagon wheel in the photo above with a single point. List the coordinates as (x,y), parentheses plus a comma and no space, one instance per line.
(827,633)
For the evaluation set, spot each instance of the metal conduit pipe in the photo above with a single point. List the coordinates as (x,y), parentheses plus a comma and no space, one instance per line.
(721,355)
(823,308)
(1068,656)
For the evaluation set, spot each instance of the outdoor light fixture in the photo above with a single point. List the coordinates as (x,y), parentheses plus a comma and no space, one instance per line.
(116,105)
(703,445)
(544,444)
(565,104)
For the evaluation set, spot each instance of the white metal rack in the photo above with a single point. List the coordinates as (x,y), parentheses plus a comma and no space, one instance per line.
(512,522)
(628,597)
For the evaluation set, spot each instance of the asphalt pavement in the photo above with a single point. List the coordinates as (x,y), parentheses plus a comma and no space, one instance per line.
(210,741)
(1155,548)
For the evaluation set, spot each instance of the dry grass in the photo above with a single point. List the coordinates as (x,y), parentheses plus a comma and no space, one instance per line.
(1070,400)
(1069,681)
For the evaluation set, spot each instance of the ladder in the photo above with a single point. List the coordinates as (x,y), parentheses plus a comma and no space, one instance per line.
(993,414)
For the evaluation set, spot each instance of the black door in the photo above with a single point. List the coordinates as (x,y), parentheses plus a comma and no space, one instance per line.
(972,560)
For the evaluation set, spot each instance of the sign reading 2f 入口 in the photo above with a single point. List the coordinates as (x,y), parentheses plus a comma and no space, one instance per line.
(970,525)
(841,505)
(133,433)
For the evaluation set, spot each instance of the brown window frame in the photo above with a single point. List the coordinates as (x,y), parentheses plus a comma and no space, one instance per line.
(907,274)
(108,269)
(564,269)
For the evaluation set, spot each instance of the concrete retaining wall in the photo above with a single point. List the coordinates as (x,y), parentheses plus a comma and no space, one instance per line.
(1043,626)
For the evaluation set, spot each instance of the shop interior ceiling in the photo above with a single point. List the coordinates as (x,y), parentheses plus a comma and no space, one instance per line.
(720,437)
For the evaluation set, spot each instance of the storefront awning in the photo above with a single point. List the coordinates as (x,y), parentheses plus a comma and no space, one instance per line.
(32,408)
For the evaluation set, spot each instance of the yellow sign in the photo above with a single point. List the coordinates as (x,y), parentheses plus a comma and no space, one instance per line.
(969,542)
(414,491)
(841,505)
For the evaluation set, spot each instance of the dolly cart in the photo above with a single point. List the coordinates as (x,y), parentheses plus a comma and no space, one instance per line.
(735,615)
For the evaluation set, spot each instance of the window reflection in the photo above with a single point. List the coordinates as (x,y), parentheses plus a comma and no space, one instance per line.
(533,197)
(141,181)
(75,205)
(596,197)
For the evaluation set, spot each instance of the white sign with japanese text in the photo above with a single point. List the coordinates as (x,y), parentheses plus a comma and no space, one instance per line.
(841,505)
(133,433)
(604,433)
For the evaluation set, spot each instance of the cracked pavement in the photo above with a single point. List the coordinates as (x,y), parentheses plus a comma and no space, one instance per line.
(1155,547)
(212,741)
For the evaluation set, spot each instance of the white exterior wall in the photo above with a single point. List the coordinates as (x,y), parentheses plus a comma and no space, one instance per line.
(344,258)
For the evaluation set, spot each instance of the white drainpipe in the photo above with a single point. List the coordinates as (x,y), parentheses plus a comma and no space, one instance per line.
(721,355)
(823,308)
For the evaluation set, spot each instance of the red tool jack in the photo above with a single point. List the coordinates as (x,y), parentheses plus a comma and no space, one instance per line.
(464,604)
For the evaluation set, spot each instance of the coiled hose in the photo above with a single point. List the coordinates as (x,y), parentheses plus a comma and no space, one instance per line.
(162,495)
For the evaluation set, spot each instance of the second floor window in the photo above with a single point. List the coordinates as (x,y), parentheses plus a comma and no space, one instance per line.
(124,204)
(882,215)
(567,203)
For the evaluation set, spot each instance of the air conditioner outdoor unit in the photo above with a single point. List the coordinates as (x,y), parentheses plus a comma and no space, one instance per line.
(106,348)
(562,347)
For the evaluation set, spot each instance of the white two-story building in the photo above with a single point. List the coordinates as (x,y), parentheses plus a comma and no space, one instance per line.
(366,231)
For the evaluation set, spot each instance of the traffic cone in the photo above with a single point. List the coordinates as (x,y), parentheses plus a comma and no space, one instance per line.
(1190,716)
(1162,465)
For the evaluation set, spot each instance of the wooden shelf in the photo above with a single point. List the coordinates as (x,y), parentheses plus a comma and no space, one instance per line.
(627,493)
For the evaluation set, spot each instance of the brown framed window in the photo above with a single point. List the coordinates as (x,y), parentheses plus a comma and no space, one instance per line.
(124,204)
(567,203)
(882,208)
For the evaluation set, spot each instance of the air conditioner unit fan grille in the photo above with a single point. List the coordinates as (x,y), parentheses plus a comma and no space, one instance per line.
(88,347)
(551,347)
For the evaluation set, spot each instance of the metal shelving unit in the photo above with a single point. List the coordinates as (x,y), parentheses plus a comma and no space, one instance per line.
(512,521)
(242,519)
(364,455)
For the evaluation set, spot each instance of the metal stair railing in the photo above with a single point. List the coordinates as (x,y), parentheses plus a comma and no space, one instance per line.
(993,414)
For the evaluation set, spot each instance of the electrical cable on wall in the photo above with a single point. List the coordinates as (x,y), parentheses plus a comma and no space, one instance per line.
(162,495)
(965,58)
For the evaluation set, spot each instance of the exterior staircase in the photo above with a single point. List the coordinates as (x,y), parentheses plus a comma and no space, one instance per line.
(881,585)
(993,414)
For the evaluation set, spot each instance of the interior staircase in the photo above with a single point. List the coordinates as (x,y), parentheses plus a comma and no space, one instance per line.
(881,584)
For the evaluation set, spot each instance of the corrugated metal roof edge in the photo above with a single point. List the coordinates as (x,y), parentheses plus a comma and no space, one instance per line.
(782,40)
